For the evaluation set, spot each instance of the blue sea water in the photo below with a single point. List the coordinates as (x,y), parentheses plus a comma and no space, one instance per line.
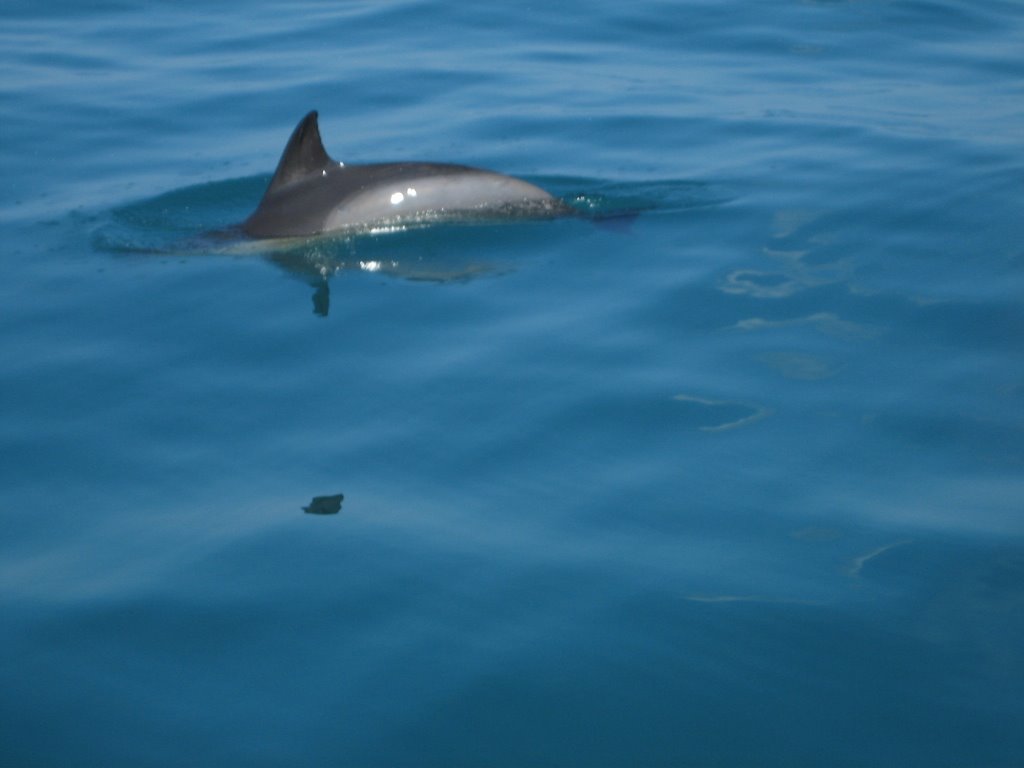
(735,481)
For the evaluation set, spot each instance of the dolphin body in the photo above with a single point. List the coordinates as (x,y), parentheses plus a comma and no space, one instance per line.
(311,194)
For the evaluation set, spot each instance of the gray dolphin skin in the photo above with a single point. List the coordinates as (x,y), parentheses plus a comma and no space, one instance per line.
(311,194)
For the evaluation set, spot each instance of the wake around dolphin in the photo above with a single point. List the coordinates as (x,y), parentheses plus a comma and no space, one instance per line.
(311,194)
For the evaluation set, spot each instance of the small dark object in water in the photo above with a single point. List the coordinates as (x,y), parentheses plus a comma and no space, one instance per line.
(324,505)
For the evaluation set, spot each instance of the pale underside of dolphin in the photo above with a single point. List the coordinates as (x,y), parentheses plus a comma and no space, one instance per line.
(311,194)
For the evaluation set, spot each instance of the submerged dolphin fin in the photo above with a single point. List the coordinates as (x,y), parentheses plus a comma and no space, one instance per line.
(304,154)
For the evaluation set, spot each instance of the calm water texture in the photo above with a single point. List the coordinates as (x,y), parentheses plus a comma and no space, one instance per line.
(737,482)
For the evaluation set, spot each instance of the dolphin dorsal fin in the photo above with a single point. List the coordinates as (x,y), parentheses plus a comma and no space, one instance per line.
(304,154)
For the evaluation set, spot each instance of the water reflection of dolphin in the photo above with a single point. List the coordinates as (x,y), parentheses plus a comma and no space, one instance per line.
(310,193)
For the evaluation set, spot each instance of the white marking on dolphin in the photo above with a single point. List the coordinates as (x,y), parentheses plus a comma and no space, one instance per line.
(312,194)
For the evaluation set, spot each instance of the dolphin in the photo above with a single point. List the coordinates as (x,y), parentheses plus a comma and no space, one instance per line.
(311,194)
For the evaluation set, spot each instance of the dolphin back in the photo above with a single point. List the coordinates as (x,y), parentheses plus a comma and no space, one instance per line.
(311,194)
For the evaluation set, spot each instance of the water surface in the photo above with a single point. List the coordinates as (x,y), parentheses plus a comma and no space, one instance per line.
(736,481)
